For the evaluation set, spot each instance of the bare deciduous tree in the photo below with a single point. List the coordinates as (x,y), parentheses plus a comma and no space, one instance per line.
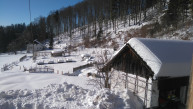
(105,75)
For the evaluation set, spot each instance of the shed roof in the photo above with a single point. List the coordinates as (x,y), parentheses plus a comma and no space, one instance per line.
(57,51)
(166,58)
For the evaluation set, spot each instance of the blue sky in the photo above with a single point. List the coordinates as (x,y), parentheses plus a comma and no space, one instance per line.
(17,11)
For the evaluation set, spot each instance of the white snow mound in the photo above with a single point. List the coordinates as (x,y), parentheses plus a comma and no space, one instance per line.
(61,96)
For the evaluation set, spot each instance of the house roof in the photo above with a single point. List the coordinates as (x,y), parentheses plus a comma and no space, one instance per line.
(166,58)
(57,51)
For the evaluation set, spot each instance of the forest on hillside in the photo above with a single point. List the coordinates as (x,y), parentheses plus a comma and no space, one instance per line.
(91,16)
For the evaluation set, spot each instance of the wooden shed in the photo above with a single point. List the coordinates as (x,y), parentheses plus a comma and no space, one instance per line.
(165,65)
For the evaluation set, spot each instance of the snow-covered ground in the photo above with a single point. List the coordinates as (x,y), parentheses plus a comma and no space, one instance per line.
(17,78)
(21,89)
(67,96)
(7,59)
(24,80)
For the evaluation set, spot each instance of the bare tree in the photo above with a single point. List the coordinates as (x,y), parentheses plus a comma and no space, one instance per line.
(104,74)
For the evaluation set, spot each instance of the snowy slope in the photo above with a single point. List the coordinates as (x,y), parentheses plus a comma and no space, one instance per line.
(8,59)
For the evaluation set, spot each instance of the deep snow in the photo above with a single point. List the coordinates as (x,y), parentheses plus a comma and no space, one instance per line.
(23,90)
(66,96)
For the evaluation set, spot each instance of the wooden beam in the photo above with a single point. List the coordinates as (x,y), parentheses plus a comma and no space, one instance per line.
(190,91)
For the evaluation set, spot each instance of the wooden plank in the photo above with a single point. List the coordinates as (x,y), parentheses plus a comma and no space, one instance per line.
(138,79)
(190,91)
(139,86)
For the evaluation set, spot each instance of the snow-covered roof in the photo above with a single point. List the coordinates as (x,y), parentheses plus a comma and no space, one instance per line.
(57,51)
(166,58)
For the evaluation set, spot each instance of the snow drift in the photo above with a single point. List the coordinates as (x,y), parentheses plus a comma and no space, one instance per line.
(64,96)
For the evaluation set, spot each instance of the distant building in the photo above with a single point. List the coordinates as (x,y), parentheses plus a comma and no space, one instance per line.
(56,53)
(157,71)
(37,47)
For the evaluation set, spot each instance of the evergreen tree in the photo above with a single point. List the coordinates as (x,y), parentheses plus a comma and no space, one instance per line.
(51,43)
(57,22)
(191,2)
(172,15)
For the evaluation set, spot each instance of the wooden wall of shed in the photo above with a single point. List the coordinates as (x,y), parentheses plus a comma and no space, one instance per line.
(128,61)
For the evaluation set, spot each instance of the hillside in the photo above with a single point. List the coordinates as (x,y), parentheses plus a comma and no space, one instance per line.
(95,21)
(153,25)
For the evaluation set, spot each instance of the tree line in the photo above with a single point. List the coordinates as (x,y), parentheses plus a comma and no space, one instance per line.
(90,17)
(9,35)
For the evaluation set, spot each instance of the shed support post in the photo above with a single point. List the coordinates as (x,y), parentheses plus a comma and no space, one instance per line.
(136,85)
(190,90)
(146,91)
(126,82)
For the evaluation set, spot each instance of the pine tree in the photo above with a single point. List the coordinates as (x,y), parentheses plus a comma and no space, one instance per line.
(57,22)
(173,13)
(191,2)
(51,43)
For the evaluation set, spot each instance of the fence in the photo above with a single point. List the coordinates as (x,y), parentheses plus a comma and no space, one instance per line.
(22,58)
(41,70)
(43,53)
(9,66)
(82,67)
(140,87)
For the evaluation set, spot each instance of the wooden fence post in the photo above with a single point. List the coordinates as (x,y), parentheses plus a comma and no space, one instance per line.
(190,90)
